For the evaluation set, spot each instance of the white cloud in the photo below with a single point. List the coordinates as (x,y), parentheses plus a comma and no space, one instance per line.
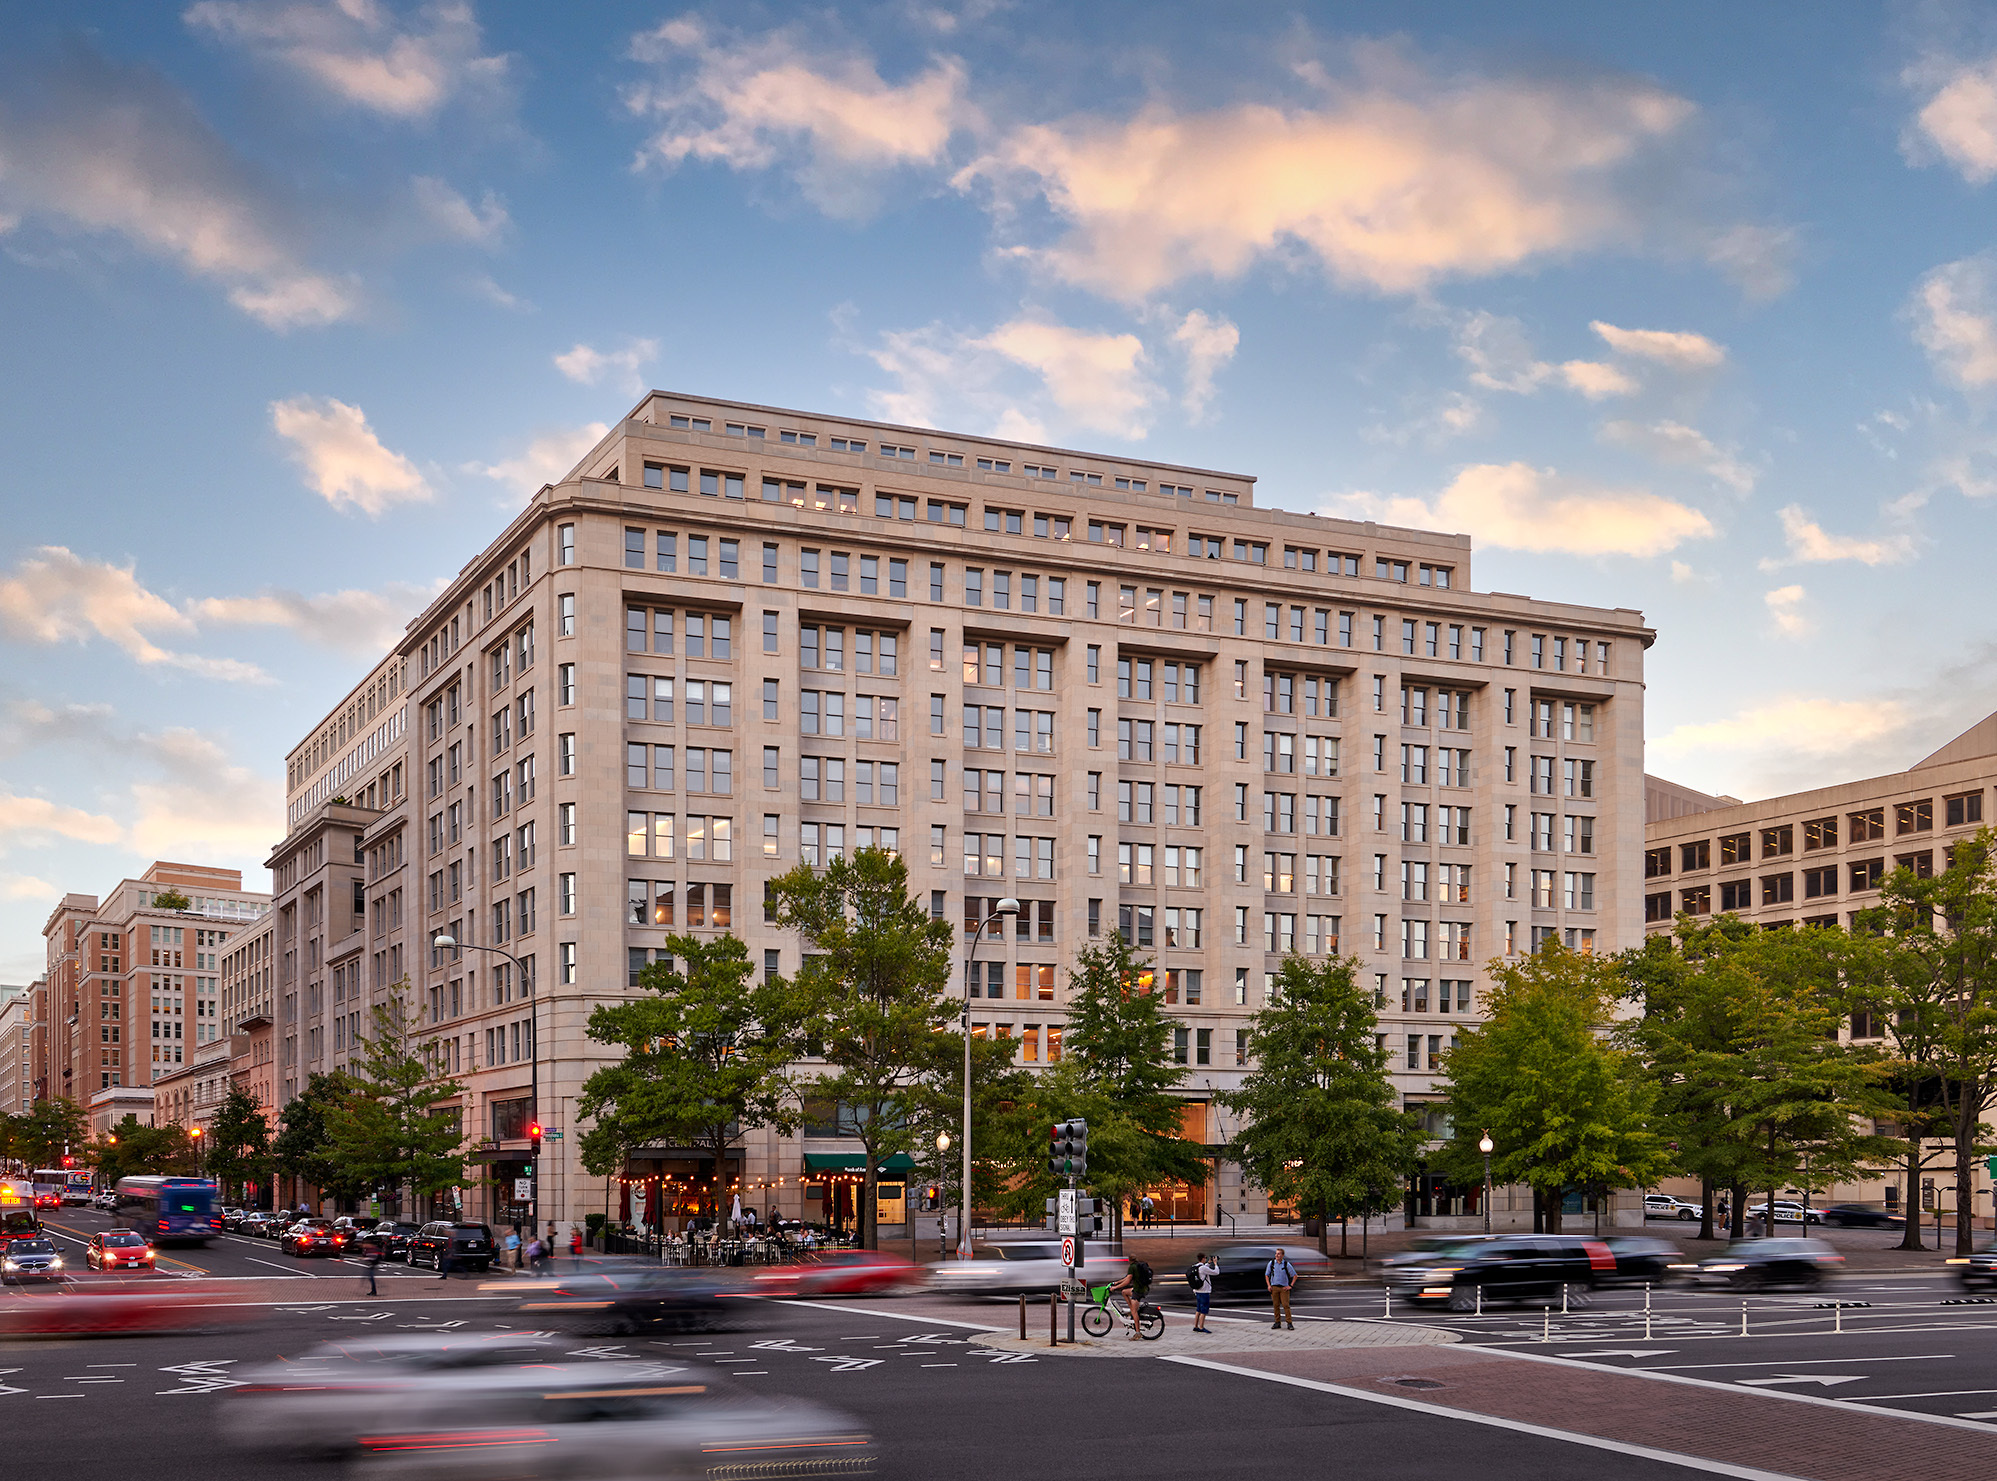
(362,53)
(355,621)
(1810,544)
(1785,609)
(483,285)
(202,804)
(1392,184)
(1958,121)
(343,461)
(27,887)
(56,596)
(482,225)
(780,101)
(1790,727)
(1954,311)
(549,458)
(1675,443)
(1596,380)
(1097,380)
(34,820)
(97,149)
(586,365)
(1519,507)
(1672,348)
(1759,260)
(1209,343)
(1683,574)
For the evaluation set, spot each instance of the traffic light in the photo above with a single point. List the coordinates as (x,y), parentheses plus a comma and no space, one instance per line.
(534,1137)
(1068,1152)
(68,1161)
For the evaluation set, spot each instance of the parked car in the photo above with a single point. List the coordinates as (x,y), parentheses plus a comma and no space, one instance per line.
(470,1245)
(30,1259)
(1754,1264)
(118,1249)
(1033,1268)
(231,1217)
(1644,1261)
(1786,1212)
(104,1199)
(1864,1216)
(313,1237)
(253,1224)
(1508,1267)
(1664,1206)
(395,1235)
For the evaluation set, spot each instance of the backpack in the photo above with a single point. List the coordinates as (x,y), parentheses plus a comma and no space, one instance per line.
(1142,1272)
(1193,1277)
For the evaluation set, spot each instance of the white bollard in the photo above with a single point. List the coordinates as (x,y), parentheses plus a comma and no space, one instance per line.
(1480,1298)
(1743,1319)
(1387,1303)
(1837,1312)
(1546,1325)
(1563,1298)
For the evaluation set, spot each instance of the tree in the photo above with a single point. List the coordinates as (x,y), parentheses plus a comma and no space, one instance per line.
(1563,1104)
(171,899)
(1321,1123)
(869,998)
(303,1145)
(130,1150)
(238,1140)
(704,1056)
(1938,968)
(391,1131)
(50,1130)
(1117,1072)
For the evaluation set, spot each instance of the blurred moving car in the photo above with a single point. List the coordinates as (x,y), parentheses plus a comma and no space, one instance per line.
(118,1249)
(1032,1268)
(470,1246)
(1641,1260)
(313,1237)
(1664,1206)
(856,1273)
(1506,1267)
(502,1408)
(395,1235)
(1864,1216)
(1242,1267)
(30,1259)
(1755,1264)
(637,1298)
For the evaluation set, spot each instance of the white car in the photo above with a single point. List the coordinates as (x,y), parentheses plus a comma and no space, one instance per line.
(1664,1206)
(1786,1212)
(1033,1268)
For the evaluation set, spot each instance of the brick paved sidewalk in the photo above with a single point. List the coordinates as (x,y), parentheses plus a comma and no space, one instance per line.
(1820,1440)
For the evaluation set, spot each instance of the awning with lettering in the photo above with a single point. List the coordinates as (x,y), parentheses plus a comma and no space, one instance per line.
(855,1162)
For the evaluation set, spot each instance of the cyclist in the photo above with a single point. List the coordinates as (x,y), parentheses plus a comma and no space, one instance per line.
(1135,1285)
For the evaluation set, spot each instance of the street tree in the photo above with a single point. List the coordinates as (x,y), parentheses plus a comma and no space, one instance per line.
(869,998)
(392,1130)
(131,1150)
(1563,1104)
(49,1130)
(1322,1128)
(704,1057)
(238,1141)
(302,1149)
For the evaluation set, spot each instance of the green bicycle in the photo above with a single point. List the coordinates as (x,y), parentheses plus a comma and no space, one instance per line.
(1100,1318)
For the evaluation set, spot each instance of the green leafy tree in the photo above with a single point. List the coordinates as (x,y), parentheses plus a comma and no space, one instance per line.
(1937,970)
(869,998)
(171,899)
(1321,1123)
(48,1130)
(238,1141)
(303,1146)
(704,1058)
(1564,1105)
(131,1150)
(392,1132)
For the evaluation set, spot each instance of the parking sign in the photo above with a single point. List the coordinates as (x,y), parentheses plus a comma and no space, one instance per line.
(1068,1251)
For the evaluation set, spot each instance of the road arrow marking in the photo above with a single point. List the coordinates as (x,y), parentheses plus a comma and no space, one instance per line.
(849,1365)
(784,1344)
(1826,1379)
(202,1378)
(1623,1352)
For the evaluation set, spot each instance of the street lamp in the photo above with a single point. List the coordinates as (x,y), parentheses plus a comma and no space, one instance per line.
(444,941)
(942,1197)
(1484,1145)
(1003,910)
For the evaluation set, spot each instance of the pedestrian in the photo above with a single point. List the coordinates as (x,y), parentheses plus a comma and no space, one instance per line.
(534,1255)
(513,1245)
(1147,1210)
(370,1260)
(549,1246)
(444,1260)
(1279,1275)
(1205,1268)
(575,1245)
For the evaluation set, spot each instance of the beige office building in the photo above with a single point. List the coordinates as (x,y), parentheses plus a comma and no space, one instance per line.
(1817,858)
(736,638)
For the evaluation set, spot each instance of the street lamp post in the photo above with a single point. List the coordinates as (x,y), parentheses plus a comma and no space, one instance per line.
(1484,1145)
(942,1193)
(445,942)
(1003,910)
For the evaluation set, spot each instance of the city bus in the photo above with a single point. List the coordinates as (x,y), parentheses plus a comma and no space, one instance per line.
(69,1184)
(17,1211)
(49,1183)
(168,1210)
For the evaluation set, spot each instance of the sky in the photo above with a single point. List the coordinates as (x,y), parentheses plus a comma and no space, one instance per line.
(1689,308)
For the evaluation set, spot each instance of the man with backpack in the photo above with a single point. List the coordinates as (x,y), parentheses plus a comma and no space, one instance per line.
(1135,1285)
(1280,1276)
(1200,1277)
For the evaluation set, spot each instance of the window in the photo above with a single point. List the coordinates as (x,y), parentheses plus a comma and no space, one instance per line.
(1778,889)
(1736,894)
(1736,848)
(1820,883)
(1820,833)
(1963,809)
(1656,862)
(1868,825)
(1778,841)
(1866,874)
(1696,901)
(1697,855)
(1914,817)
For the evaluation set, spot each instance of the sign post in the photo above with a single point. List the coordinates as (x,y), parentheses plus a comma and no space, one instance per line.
(1069,1157)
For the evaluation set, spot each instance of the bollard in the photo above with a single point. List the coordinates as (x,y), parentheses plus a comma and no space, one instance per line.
(1546,1324)
(1387,1303)
(1838,1316)
(1480,1298)
(1022,1316)
(1053,1322)
(1563,1298)
(1646,1311)
(1743,1319)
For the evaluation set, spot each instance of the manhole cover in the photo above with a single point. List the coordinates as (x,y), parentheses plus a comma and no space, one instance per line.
(1414,1383)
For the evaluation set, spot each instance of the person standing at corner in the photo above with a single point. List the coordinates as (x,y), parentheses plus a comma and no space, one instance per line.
(1279,1275)
(370,1260)
(513,1245)
(1204,1271)
(575,1245)
(444,1259)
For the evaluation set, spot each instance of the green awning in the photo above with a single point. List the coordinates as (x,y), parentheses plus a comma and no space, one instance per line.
(855,1162)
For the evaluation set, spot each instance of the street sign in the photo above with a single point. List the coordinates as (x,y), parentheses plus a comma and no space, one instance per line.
(1065,1214)
(523,1190)
(552,1133)
(1075,1290)
(1068,1251)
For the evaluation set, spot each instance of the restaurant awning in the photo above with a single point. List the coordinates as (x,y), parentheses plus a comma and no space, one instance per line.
(855,1162)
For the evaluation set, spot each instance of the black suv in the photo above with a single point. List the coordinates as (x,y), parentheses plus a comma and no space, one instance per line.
(470,1246)
(393,1235)
(1510,1267)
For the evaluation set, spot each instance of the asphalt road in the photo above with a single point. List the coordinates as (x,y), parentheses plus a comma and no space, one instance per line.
(225,1255)
(935,1405)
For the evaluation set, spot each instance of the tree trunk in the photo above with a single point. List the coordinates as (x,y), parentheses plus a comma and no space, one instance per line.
(1324,1230)
(1911,1201)
(869,1211)
(1538,1210)
(1737,1211)
(1555,1206)
(1966,1124)
(1343,1225)
(1705,1208)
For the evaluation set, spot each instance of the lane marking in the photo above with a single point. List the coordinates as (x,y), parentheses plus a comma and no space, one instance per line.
(900,1316)
(1826,1379)
(1940,1393)
(1395,1401)
(1916,1357)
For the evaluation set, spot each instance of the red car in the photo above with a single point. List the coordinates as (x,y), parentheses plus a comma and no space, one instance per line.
(855,1273)
(313,1237)
(118,1249)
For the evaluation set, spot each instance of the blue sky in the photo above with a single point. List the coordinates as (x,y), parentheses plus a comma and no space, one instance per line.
(1693,311)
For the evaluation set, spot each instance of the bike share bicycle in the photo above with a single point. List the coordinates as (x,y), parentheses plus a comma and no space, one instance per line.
(1100,1318)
